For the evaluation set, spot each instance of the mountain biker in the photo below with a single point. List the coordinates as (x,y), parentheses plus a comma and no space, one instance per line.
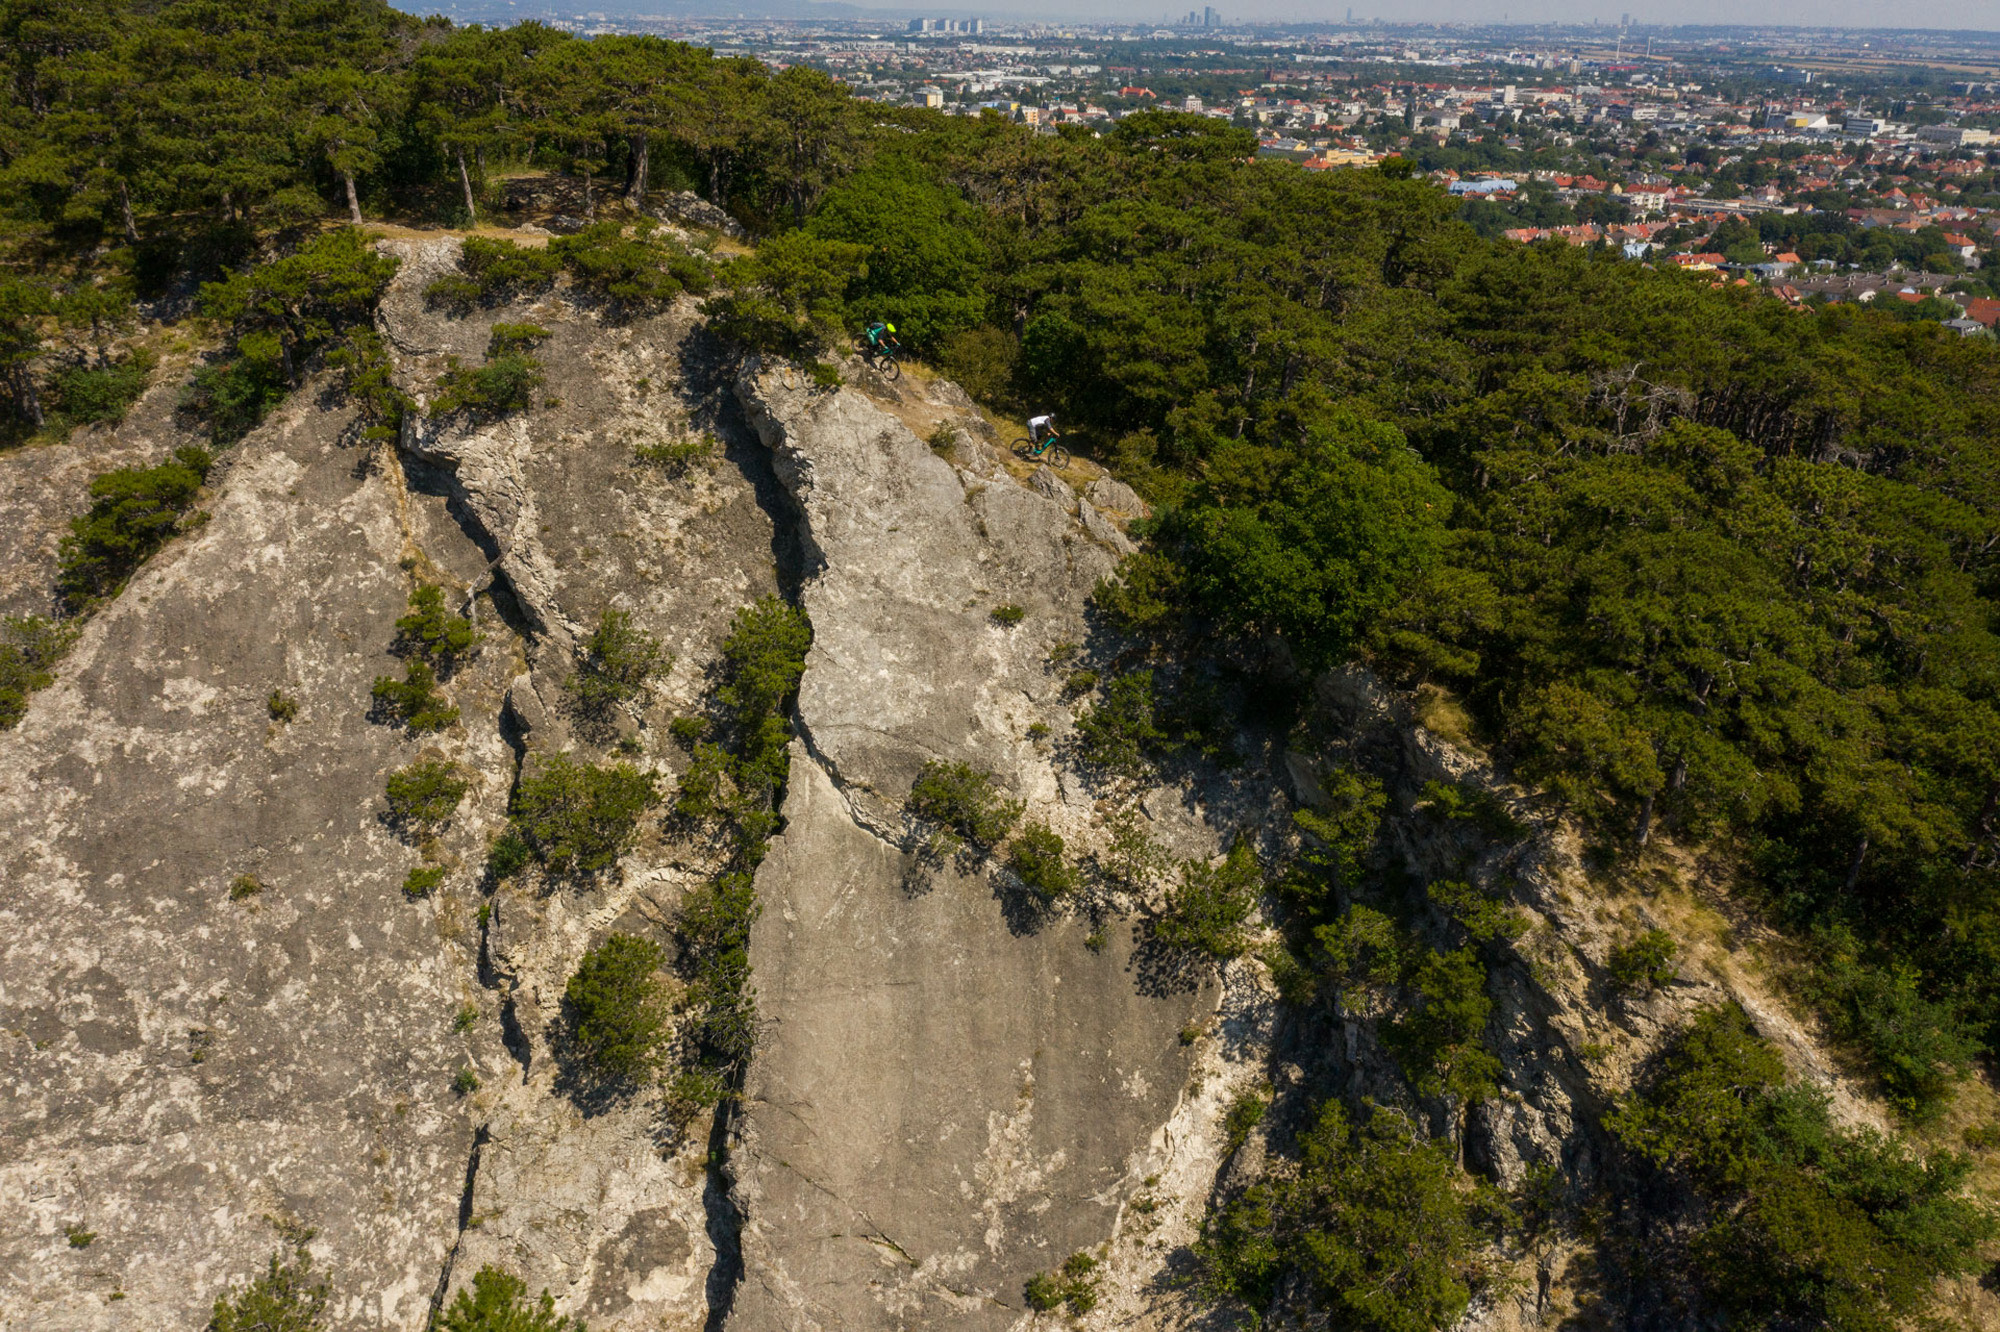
(1041,429)
(882,337)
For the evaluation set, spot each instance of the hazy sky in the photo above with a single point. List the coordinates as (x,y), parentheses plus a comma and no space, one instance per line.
(1980,14)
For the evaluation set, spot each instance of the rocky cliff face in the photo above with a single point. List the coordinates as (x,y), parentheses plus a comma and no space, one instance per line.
(220,1018)
(946,1098)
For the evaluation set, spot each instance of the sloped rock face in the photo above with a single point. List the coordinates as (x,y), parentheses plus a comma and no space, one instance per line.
(948,1099)
(180,1068)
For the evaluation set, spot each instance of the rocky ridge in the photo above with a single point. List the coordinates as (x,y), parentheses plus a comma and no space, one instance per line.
(952,1092)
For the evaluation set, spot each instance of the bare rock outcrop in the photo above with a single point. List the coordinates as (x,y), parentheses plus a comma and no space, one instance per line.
(950,1095)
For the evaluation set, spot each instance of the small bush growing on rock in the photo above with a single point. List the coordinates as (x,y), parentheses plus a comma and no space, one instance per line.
(506,856)
(282,707)
(133,512)
(705,788)
(1078,683)
(433,633)
(764,657)
(693,1091)
(1439,1040)
(644,268)
(620,1008)
(466,1018)
(244,886)
(85,395)
(965,800)
(1379,1229)
(498,1302)
(1208,911)
(1037,858)
(424,795)
(1920,1047)
(944,438)
(619,659)
(676,456)
(78,1237)
(1471,804)
(493,271)
(1245,1113)
(1646,963)
(285,1298)
(688,730)
(413,701)
(1073,1286)
(504,384)
(576,818)
(1119,733)
(466,1082)
(1483,918)
(825,376)
(30,647)
(422,881)
(1008,614)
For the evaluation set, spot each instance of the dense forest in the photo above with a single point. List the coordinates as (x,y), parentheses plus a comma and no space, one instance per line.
(1706,569)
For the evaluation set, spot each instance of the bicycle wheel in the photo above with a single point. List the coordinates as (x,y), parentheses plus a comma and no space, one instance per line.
(1024,449)
(891,368)
(1056,456)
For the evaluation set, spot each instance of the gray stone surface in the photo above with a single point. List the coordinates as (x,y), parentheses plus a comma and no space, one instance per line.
(947,1099)
(180,1068)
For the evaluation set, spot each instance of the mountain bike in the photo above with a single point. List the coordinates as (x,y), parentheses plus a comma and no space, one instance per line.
(884,359)
(1050,450)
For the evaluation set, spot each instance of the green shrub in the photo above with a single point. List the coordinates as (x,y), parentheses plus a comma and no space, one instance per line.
(431,632)
(645,268)
(1078,683)
(133,512)
(676,457)
(413,701)
(965,800)
(1382,1230)
(1208,911)
(1008,615)
(1036,856)
(619,1005)
(1646,963)
(688,730)
(492,271)
(369,376)
(466,1082)
(1245,1113)
(787,298)
(943,438)
(425,795)
(1470,804)
(714,931)
(284,1299)
(1793,1220)
(281,706)
(506,856)
(78,1237)
(234,395)
(84,396)
(1920,1048)
(763,658)
(1121,732)
(466,1018)
(1073,1286)
(245,886)
(1483,918)
(422,881)
(30,647)
(619,659)
(694,1091)
(1439,1040)
(503,384)
(1132,859)
(497,1301)
(825,376)
(578,819)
